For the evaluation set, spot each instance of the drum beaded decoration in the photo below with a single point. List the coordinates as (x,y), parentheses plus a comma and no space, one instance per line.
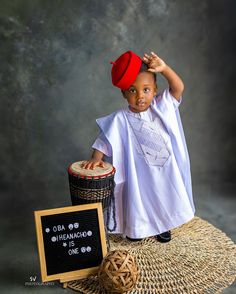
(91,186)
(118,272)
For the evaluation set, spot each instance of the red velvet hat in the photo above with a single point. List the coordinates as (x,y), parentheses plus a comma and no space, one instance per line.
(125,70)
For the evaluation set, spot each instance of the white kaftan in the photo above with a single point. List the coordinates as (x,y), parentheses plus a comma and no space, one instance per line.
(153,190)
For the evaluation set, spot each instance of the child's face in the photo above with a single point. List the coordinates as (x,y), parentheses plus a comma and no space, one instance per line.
(141,92)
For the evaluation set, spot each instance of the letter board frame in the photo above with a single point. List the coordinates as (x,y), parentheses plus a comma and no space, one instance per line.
(48,270)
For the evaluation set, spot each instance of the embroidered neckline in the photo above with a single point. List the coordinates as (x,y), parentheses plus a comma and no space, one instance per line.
(141,115)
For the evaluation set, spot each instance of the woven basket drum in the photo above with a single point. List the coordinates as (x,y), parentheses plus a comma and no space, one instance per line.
(118,272)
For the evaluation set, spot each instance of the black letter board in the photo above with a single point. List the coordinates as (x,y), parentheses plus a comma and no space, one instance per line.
(71,241)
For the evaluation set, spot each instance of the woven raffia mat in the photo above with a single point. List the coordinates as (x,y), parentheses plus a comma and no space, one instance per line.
(199,259)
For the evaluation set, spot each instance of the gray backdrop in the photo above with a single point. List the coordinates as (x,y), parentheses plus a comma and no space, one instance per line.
(55,81)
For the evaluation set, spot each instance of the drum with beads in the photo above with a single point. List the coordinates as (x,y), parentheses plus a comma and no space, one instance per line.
(90,186)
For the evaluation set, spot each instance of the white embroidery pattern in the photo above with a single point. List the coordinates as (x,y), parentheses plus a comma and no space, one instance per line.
(150,140)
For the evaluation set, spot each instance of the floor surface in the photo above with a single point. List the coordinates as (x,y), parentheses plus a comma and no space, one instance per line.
(215,203)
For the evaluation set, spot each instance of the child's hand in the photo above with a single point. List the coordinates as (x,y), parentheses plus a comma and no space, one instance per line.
(155,63)
(92,163)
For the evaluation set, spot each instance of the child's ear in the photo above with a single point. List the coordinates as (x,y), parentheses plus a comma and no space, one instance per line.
(155,90)
(123,93)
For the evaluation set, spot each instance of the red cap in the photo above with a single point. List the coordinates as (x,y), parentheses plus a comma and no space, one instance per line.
(125,70)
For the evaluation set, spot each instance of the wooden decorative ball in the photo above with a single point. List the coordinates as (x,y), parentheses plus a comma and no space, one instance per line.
(118,272)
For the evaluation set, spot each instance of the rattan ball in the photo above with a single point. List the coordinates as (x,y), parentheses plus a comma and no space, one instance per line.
(118,272)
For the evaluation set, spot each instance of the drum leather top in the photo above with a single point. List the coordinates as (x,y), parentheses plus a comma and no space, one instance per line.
(98,172)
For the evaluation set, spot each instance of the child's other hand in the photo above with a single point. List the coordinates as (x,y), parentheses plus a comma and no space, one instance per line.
(92,163)
(155,63)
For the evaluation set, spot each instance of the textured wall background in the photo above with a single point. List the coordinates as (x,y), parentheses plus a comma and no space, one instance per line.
(55,80)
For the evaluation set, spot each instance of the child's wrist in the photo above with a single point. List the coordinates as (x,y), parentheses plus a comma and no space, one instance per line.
(165,69)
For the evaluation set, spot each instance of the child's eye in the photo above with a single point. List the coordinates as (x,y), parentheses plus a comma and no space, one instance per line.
(131,90)
(146,90)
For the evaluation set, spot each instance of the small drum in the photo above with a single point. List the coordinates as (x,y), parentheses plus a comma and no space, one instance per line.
(90,186)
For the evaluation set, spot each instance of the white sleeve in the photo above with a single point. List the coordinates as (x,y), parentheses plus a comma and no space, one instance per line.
(167,98)
(102,144)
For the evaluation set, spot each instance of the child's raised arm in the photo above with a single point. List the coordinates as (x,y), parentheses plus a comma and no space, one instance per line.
(96,160)
(156,64)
